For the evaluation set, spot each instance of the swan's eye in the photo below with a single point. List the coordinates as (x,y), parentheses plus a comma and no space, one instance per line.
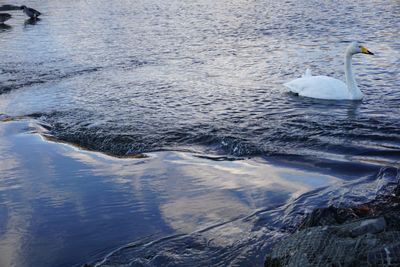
(359,46)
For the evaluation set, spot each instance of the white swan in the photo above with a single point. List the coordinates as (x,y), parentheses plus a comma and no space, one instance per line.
(325,87)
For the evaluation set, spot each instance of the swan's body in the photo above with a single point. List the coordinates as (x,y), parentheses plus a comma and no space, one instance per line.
(324,87)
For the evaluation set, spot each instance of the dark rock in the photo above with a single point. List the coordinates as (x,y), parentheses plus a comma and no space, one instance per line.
(328,216)
(371,226)
(8,7)
(363,235)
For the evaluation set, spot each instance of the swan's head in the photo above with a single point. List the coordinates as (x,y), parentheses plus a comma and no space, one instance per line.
(357,48)
(22,7)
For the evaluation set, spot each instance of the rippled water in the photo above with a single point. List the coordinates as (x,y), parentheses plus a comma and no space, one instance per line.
(129,77)
(136,77)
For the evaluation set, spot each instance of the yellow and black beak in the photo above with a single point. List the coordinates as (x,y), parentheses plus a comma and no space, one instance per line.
(364,50)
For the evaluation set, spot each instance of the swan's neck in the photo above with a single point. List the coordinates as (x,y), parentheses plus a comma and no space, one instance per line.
(350,81)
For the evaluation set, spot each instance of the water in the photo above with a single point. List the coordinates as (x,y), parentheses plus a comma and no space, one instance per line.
(206,77)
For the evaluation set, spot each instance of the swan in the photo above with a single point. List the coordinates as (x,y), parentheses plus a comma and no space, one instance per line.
(324,87)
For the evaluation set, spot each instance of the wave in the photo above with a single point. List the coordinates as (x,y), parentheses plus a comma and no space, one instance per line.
(323,148)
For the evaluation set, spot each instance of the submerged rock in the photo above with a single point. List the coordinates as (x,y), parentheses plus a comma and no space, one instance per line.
(371,226)
(4,17)
(9,7)
(364,235)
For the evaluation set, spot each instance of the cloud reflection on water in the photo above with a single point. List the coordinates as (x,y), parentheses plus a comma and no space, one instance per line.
(54,193)
(195,193)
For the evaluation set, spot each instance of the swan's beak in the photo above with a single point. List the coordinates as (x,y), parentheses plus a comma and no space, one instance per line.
(364,50)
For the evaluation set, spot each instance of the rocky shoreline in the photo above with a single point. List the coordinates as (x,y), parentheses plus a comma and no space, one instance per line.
(362,235)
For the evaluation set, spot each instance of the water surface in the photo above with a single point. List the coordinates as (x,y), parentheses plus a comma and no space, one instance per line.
(198,78)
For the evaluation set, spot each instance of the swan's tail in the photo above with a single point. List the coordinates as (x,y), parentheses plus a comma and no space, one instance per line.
(306,74)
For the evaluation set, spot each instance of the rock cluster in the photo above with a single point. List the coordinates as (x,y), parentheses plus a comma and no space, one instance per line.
(363,235)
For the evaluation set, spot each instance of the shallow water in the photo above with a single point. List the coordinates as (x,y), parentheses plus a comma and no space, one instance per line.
(204,77)
(63,206)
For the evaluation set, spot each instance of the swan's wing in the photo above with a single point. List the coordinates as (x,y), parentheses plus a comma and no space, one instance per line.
(295,86)
(322,87)
(306,74)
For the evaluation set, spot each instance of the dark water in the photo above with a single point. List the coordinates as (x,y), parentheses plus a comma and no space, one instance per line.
(127,77)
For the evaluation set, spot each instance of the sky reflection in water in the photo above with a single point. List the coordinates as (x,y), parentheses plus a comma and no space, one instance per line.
(61,201)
